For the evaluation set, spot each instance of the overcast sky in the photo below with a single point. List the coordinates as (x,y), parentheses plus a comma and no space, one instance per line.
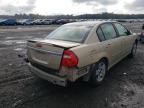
(75,7)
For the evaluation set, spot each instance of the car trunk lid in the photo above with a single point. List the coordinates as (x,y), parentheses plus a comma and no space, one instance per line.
(48,53)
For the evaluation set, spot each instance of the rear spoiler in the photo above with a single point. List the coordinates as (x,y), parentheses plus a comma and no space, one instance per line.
(65,48)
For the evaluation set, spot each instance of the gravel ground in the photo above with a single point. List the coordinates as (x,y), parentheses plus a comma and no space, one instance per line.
(122,88)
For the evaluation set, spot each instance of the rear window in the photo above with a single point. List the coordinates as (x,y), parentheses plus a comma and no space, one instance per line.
(73,33)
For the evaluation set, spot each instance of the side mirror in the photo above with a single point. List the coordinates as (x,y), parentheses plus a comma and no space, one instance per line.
(128,32)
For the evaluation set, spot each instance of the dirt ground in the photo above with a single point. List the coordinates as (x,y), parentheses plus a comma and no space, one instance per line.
(122,88)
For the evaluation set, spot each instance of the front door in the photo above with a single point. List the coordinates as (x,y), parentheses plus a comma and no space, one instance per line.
(126,37)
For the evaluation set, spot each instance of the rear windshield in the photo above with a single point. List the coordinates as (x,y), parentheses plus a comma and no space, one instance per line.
(73,33)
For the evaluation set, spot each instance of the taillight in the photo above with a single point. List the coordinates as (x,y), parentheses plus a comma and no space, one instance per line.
(69,59)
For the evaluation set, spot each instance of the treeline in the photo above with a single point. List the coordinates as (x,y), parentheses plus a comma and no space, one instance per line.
(83,16)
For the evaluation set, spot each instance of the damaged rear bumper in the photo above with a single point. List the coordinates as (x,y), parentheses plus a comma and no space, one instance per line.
(51,78)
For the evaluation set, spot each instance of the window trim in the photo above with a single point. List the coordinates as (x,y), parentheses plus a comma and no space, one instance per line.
(117,29)
(103,32)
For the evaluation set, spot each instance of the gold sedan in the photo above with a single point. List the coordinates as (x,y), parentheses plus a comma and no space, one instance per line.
(80,49)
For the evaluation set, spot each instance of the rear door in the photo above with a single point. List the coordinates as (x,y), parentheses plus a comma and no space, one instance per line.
(111,42)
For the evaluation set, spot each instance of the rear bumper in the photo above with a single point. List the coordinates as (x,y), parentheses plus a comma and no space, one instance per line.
(51,78)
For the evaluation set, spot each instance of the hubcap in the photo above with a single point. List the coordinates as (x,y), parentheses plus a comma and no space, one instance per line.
(100,71)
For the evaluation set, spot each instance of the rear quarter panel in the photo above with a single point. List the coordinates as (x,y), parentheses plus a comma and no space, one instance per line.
(89,53)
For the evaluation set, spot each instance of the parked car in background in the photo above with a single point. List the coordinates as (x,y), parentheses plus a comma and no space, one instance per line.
(54,21)
(47,22)
(38,22)
(25,22)
(62,21)
(72,20)
(20,21)
(7,22)
(1,21)
(29,22)
(84,50)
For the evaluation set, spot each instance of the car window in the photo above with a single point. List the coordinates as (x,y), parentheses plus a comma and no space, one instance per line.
(109,31)
(100,34)
(121,30)
(73,33)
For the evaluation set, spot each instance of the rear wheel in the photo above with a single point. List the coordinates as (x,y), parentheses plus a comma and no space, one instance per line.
(98,72)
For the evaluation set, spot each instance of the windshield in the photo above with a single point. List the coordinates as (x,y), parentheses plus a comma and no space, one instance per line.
(73,33)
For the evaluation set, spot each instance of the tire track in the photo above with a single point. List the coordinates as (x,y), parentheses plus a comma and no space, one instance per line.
(5,81)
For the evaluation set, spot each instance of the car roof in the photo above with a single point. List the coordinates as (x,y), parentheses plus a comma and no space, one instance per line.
(89,23)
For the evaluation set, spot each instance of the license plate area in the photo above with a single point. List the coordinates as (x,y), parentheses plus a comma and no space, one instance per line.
(40,57)
(49,57)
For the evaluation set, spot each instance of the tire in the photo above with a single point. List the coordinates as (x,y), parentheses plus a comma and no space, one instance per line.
(133,51)
(98,72)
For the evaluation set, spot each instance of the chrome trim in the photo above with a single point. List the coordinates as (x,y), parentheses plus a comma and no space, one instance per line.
(41,50)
